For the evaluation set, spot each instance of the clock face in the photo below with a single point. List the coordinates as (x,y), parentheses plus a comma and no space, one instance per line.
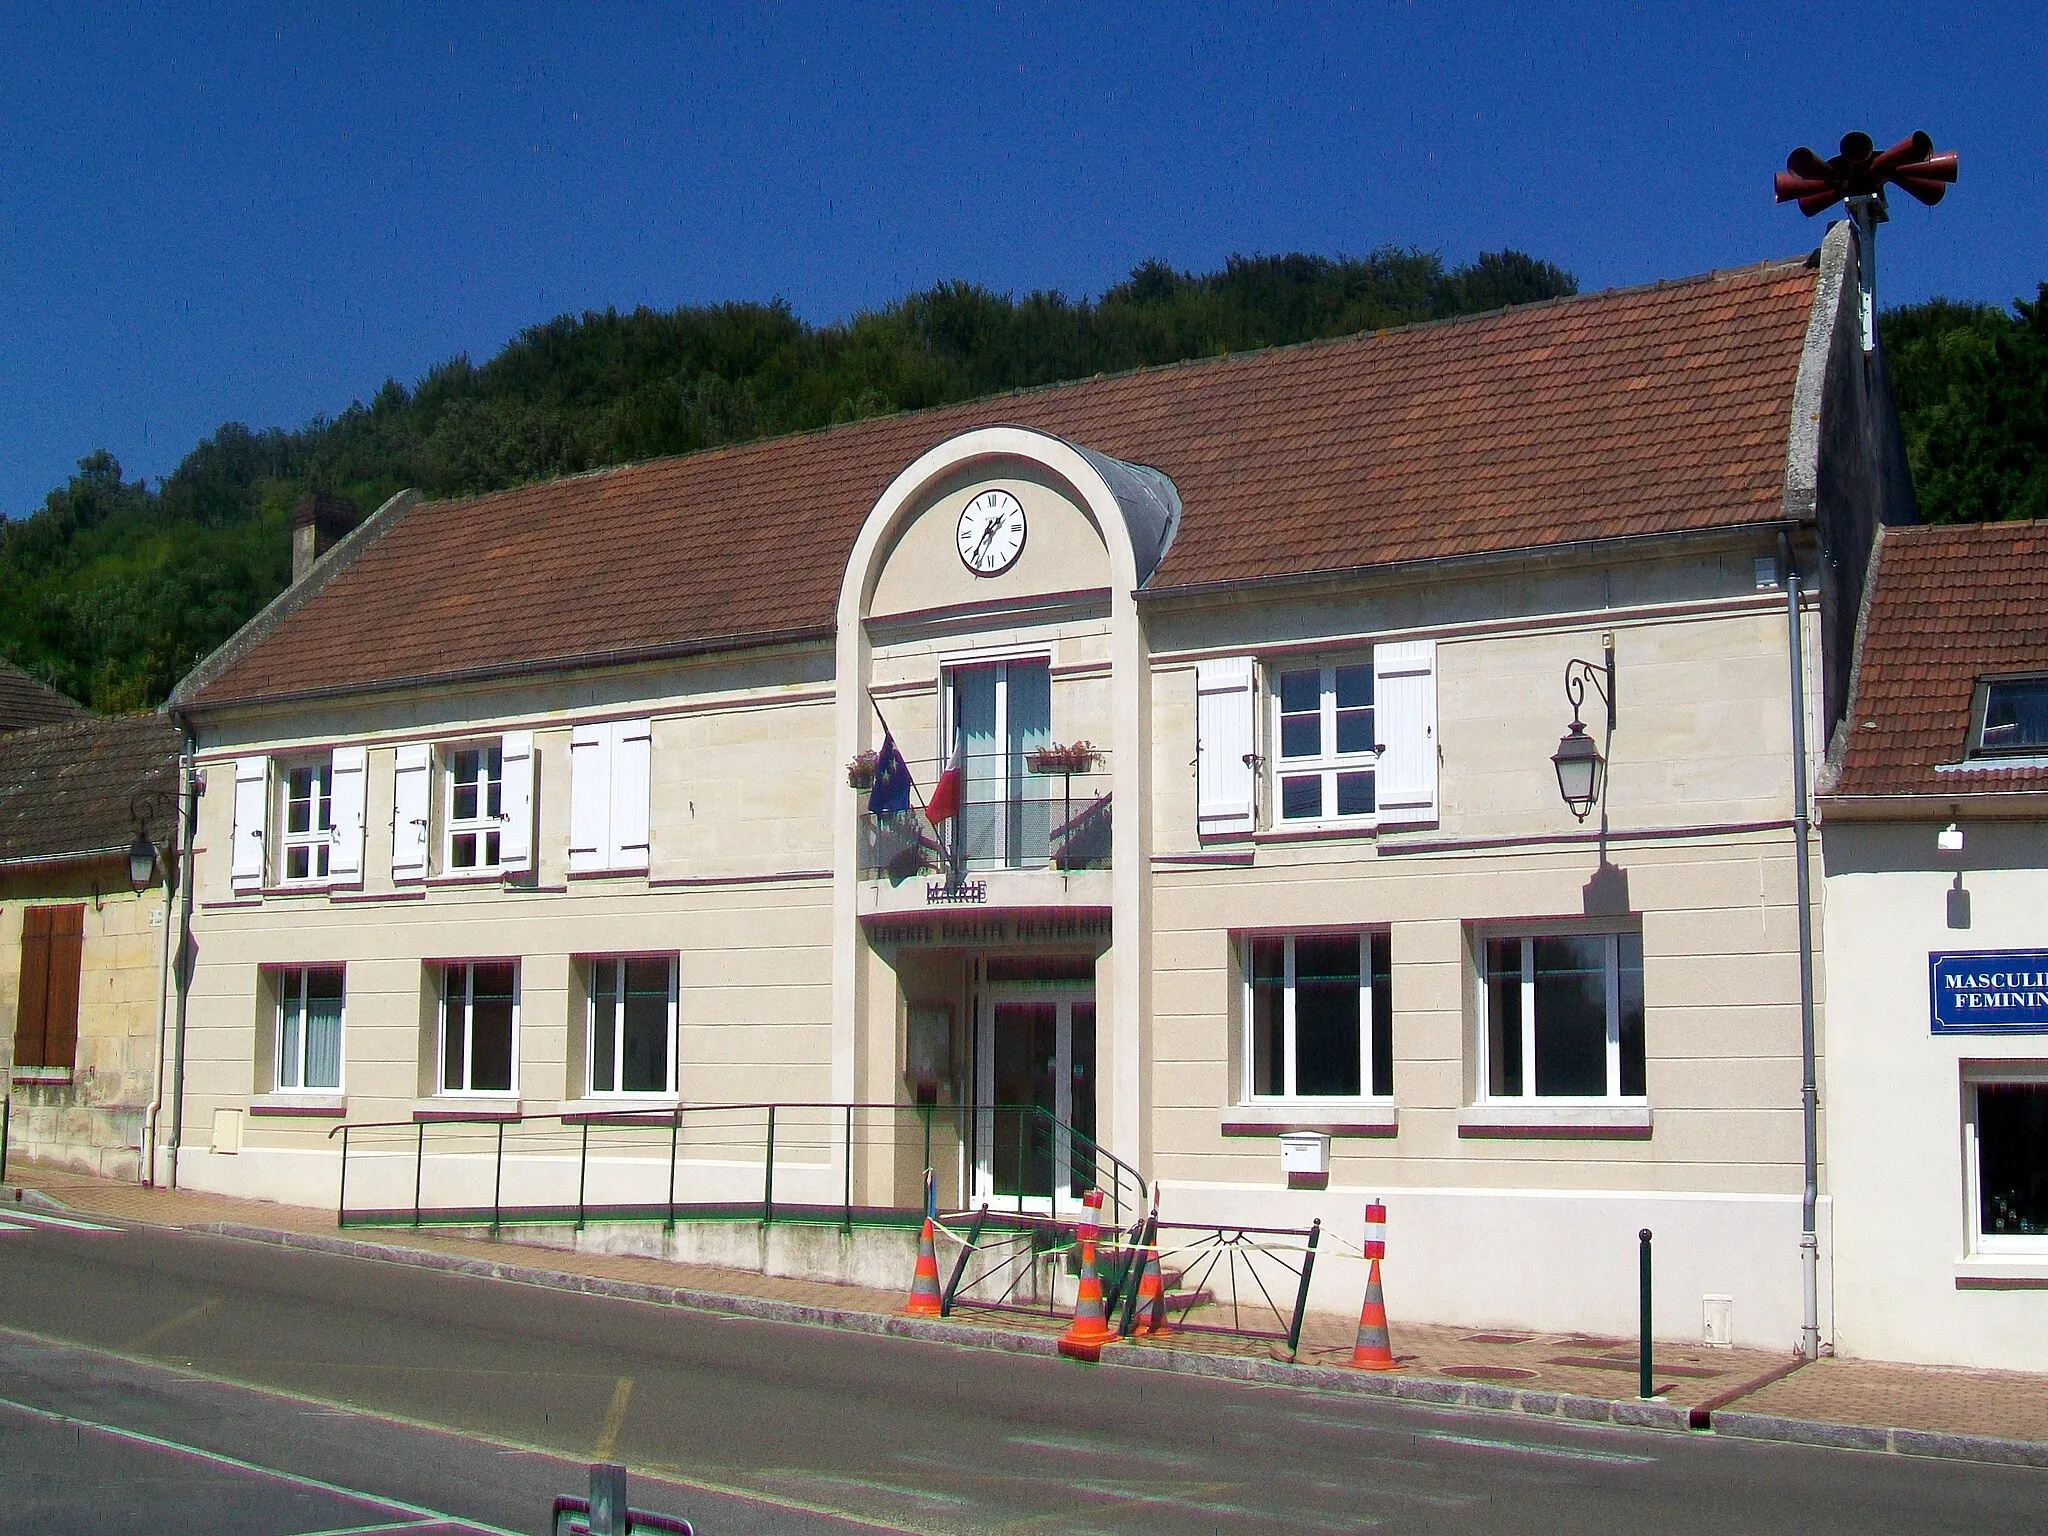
(991,534)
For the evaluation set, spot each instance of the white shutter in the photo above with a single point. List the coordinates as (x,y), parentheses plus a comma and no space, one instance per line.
(409,813)
(1404,712)
(1225,738)
(632,759)
(590,790)
(351,770)
(515,841)
(252,799)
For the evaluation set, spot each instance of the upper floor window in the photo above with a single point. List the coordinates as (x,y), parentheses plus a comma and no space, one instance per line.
(1318,1016)
(631,1041)
(1562,1016)
(999,714)
(1325,747)
(476,806)
(309,1001)
(308,843)
(480,1027)
(2011,717)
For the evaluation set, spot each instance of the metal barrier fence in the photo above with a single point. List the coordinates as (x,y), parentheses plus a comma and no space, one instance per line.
(851,1164)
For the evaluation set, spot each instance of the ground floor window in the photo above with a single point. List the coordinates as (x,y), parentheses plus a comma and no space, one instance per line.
(2011,1138)
(1318,1016)
(309,1003)
(1563,1016)
(631,1040)
(479,1026)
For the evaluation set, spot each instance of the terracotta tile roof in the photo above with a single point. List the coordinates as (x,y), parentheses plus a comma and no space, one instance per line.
(1951,604)
(26,702)
(66,790)
(1637,411)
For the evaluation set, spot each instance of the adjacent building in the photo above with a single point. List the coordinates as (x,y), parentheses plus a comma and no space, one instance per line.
(1246,676)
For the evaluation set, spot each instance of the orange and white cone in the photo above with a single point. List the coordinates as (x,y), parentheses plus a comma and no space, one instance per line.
(1375,1347)
(925,1300)
(1151,1318)
(1089,1330)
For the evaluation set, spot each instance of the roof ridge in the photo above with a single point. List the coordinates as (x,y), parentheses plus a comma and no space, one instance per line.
(1219,362)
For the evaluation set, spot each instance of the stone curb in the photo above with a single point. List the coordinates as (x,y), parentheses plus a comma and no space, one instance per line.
(21,1194)
(1420,1390)
(1862,1437)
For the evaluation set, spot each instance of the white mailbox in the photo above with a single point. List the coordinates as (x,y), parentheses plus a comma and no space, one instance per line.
(1304,1152)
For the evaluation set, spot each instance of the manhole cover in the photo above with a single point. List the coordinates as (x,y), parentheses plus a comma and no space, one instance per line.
(1488,1373)
(1497,1338)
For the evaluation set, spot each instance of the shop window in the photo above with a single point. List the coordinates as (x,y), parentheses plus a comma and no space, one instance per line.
(308,841)
(1318,1016)
(1326,758)
(46,996)
(2010,1137)
(1562,1016)
(309,1011)
(631,1024)
(480,1027)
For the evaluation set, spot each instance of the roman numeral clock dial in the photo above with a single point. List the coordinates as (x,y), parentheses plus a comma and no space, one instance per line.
(991,533)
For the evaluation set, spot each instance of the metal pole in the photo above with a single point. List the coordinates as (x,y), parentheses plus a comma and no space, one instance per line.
(7,1122)
(498,1179)
(340,1198)
(1809,1089)
(768,1175)
(189,792)
(960,1264)
(1308,1267)
(419,1171)
(846,1224)
(675,1126)
(582,1174)
(1644,1386)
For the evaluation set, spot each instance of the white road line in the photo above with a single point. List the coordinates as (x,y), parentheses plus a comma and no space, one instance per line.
(373,1530)
(419,1512)
(1524,1448)
(8,1226)
(42,1219)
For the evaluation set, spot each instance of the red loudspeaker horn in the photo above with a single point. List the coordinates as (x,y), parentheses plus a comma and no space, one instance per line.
(1915,146)
(1789,186)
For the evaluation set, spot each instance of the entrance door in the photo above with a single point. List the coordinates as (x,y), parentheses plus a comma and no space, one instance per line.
(1035,1087)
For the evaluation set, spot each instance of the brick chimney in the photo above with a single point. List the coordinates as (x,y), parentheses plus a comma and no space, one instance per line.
(319,522)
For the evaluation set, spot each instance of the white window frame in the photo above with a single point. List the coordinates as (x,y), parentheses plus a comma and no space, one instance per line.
(290,983)
(317,841)
(1018,784)
(466,969)
(1529,1096)
(1328,762)
(1980,708)
(483,826)
(590,1025)
(1978,1075)
(1370,1091)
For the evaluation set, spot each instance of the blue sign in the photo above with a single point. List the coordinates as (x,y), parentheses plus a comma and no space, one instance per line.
(1989,991)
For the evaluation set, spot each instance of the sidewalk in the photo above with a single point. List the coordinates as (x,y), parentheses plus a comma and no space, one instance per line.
(1754,1394)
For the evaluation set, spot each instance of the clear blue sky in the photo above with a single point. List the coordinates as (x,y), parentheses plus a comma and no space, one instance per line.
(259,214)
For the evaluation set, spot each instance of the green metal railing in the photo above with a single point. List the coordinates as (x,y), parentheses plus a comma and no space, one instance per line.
(849,1164)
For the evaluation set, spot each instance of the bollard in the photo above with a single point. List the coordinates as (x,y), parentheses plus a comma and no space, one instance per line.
(1644,1388)
(608,1509)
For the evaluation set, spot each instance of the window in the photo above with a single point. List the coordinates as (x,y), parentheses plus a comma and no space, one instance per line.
(2011,716)
(476,806)
(46,999)
(1563,1016)
(2011,1154)
(308,844)
(1000,713)
(1318,1016)
(1326,747)
(631,1045)
(480,1027)
(309,1028)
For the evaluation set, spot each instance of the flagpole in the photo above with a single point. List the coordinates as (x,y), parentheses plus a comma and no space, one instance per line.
(889,735)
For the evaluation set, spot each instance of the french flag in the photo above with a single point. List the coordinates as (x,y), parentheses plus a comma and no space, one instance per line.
(944,803)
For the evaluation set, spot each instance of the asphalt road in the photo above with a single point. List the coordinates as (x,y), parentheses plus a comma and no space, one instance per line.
(174,1382)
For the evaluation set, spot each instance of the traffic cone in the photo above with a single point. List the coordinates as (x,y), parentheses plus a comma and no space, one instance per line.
(924,1281)
(1151,1318)
(1089,1330)
(1375,1348)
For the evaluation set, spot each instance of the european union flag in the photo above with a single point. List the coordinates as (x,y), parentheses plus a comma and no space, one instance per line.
(892,787)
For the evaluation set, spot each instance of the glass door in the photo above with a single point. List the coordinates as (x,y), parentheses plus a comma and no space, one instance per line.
(1035,1086)
(1001,713)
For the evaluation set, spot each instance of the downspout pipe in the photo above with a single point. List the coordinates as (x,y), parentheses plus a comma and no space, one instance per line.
(171,882)
(188,797)
(1809,1087)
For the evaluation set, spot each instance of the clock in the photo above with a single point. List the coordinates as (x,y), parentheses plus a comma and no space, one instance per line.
(991,533)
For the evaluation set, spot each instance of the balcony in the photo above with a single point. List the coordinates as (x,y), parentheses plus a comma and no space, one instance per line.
(1032,832)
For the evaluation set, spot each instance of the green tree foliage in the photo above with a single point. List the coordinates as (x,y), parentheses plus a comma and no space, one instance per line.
(111,591)
(1972,388)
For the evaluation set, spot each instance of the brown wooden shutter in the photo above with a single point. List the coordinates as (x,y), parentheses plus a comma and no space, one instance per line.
(32,1001)
(67,955)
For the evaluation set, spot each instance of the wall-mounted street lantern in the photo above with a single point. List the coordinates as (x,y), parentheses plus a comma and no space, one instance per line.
(142,855)
(1581,770)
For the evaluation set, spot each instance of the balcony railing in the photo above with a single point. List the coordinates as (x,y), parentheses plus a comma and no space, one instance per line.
(1015,833)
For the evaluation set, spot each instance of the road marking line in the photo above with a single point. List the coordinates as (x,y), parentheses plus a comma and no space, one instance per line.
(1543,1450)
(371,1530)
(164,1330)
(420,1513)
(9,1226)
(41,1219)
(614,1420)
